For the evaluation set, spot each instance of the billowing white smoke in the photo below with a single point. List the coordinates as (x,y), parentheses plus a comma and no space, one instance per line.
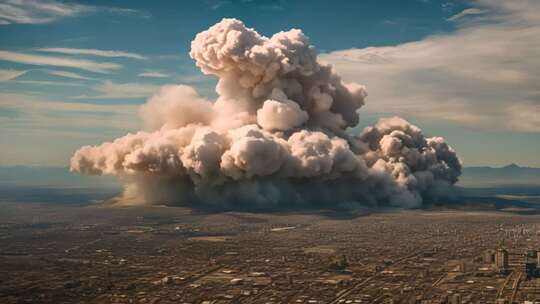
(276,136)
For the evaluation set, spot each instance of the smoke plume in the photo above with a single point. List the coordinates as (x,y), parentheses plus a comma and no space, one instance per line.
(275,137)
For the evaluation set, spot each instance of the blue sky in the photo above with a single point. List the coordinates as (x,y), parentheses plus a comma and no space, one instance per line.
(73,73)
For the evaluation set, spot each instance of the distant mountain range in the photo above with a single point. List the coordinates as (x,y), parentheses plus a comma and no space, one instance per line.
(507,175)
(509,170)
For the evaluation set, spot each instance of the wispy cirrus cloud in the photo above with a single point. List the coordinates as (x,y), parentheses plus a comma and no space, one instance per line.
(92,52)
(36,12)
(39,60)
(154,74)
(30,113)
(112,90)
(485,75)
(43,111)
(10,74)
(123,11)
(47,11)
(270,7)
(67,74)
(214,5)
(30,120)
(467,12)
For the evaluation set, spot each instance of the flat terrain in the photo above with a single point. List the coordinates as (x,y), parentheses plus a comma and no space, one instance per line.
(95,254)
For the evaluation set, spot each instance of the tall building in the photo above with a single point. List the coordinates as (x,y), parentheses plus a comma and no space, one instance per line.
(454,299)
(530,270)
(489,257)
(501,259)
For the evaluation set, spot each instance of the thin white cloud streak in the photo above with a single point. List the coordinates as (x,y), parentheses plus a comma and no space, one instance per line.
(10,74)
(483,76)
(45,82)
(34,129)
(67,74)
(154,74)
(89,65)
(271,7)
(47,11)
(218,4)
(35,112)
(112,90)
(465,13)
(124,11)
(37,12)
(93,52)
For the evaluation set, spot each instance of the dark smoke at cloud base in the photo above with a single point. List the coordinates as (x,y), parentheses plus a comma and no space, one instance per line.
(275,137)
(271,195)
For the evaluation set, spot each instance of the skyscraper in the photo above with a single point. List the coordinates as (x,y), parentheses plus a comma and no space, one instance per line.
(501,259)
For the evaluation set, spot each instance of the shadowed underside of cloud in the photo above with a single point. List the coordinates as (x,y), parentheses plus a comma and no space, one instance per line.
(275,137)
(485,75)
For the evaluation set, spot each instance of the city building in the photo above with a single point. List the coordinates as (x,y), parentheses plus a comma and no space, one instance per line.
(489,257)
(455,299)
(501,260)
(530,270)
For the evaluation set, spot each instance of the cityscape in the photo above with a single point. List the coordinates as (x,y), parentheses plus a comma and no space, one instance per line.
(174,255)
